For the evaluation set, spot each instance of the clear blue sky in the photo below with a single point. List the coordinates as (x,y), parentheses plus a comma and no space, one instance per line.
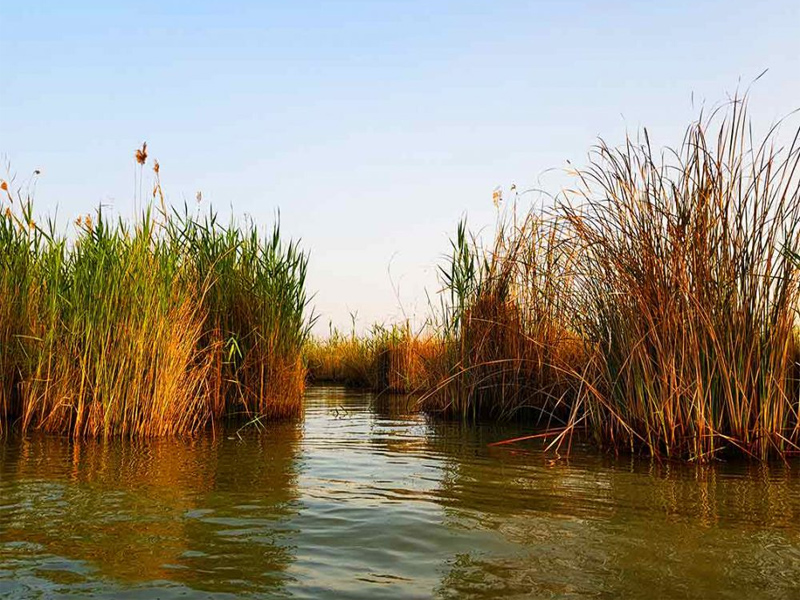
(372,125)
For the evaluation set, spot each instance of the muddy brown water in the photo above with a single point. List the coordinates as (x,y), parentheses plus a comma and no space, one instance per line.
(363,498)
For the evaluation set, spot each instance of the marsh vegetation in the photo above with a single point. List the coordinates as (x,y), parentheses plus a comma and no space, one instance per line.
(653,307)
(163,325)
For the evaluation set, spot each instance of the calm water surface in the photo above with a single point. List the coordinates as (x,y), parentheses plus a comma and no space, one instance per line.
(364,499)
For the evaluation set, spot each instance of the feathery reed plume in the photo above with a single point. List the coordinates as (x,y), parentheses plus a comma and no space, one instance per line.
(141,154)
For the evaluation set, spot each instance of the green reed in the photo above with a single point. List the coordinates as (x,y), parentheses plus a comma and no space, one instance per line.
(160,326)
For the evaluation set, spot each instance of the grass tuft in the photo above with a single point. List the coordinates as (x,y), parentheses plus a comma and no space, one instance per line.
(158,327)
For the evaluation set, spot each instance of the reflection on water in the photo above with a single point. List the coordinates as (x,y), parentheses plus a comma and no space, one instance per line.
(365,498)
(99,517)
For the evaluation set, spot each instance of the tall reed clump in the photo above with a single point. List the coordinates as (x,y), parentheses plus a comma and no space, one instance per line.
(384,359)
(509,347)
(20,244)
(655,306)
(155,328)
(687,291)
(116,338)
(255,306)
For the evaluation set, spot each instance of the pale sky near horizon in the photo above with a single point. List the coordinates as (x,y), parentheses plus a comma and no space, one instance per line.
(372,126)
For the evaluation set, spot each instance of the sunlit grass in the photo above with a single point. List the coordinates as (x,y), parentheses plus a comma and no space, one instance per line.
(688,290)
(160,326)
(653,307)
(509,349)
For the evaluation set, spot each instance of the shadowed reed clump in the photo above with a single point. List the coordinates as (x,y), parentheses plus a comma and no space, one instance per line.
(159,327)
(17,261)
(508,347)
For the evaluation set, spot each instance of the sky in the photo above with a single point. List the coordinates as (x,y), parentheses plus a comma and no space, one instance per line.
(371,126)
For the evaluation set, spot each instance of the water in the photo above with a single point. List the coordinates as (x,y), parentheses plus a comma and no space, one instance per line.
(364,499)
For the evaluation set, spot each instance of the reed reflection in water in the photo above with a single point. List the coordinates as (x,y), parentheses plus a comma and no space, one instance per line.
(99,517)
(599,526)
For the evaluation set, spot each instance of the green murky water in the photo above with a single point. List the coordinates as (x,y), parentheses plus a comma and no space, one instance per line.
(362,499)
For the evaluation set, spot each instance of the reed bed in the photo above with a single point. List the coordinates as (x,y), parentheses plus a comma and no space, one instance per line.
(687,291)
(158,327)
(653,307)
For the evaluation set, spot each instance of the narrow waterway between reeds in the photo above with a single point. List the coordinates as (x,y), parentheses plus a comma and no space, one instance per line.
(363,498)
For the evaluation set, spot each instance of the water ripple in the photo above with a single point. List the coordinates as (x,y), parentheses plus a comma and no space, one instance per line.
(364,499)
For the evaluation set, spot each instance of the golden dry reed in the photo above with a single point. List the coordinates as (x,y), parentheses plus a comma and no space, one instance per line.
(507,341)
(654,306)
(385,359)
(160,327)
(687,291)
